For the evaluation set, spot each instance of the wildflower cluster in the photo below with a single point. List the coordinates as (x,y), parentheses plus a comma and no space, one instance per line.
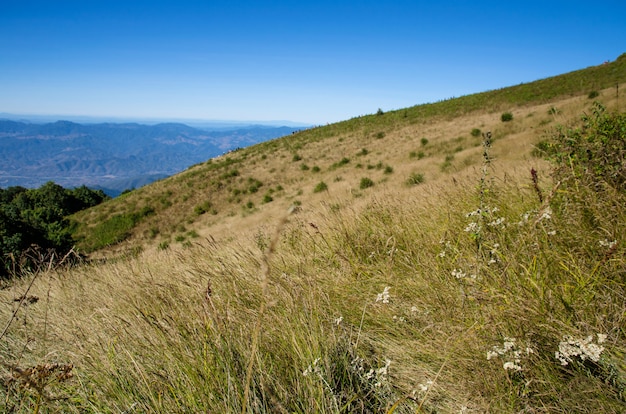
(484,215)
(459,274)
(511,353)
(493,254)
(380,375)
(585,348)
(384,296)
(446,246)
(608,244)
(422,388)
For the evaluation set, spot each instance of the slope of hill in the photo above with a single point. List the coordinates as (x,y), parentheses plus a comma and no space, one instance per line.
(114,157)
(430,262)
(433,139)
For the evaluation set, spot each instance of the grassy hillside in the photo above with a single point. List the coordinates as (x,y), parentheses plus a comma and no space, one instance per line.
(435,270)
(389,148)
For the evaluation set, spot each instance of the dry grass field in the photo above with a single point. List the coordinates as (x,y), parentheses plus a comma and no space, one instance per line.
(431,274)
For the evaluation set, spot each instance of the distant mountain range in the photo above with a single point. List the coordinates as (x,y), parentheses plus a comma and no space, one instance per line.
(111,156)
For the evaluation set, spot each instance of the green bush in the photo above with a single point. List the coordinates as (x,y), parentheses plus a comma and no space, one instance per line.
(321,186)
(593,94)
(341,162)
(424,141)
(594,153)
(254,185)
(415,179)
(476,132)
(366,183)
(202,208)
(506,117)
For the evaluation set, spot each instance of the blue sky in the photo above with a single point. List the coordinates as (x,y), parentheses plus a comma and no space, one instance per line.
(314,62)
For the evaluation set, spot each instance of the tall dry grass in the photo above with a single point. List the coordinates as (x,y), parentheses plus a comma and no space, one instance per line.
(494,290)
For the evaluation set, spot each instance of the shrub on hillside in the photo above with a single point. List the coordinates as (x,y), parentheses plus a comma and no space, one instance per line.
(321,186)
(366,183)
(415,179)
(506,117)
(595,153)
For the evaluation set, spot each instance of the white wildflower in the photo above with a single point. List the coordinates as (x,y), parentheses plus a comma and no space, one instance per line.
(380,374)
(384,296)
(492,354)
(442,254)
(458,273)
(357,364)
(546,214)
(552,233)
(425,387)
(472,228)
(339,320)
(414,309)
(511,353)
(497,222)
(511,366)
(608,244)
(572,348)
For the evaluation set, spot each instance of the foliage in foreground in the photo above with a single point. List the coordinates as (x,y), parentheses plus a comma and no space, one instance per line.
(505,297)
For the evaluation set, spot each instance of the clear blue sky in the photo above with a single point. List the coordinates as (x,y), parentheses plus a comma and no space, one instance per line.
(309,61)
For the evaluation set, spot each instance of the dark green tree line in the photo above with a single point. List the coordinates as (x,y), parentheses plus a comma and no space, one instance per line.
(39,217)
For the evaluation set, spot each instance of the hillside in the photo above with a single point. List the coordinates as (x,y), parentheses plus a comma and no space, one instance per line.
(434,140)
(428,259)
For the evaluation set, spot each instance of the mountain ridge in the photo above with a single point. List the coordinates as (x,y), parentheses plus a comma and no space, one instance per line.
(104,155)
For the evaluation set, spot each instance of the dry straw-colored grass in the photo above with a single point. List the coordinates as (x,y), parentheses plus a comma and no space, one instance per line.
(374,300)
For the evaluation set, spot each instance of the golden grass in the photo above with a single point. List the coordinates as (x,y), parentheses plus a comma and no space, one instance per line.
(221,325)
